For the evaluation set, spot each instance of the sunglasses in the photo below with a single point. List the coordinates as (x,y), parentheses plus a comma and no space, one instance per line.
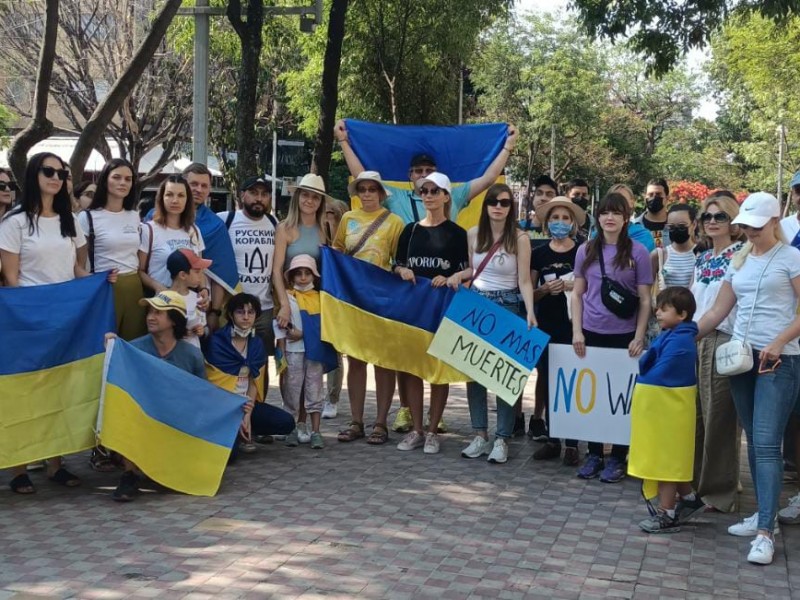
(8,186)
(504,202)
(50,172)
(430,191)
(373,189)
(720,217)
(750,228)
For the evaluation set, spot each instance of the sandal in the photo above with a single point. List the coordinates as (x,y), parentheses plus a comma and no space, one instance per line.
(65,478)
(354,431)
(101,461)
(22,484)
(379,435)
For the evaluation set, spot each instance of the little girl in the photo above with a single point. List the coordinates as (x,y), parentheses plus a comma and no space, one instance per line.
(307,357)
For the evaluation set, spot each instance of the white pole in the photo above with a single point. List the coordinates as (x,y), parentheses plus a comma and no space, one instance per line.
(274,169)
(200,95)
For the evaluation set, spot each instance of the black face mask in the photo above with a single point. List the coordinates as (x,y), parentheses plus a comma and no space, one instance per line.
(581,201)
(679,235)
(655,204)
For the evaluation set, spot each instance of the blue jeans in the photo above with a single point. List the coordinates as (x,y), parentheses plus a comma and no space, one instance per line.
(476,393)
(764,403)
(266,420)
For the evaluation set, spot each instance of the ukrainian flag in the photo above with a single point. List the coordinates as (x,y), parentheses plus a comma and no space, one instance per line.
(310,313)
(224,362)
(663,415)
(462,152)
(219,249)
(374,316)
(51,365)
(177,428)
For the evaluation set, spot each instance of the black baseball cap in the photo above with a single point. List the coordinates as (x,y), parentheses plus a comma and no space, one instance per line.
(422,159)
(254,181)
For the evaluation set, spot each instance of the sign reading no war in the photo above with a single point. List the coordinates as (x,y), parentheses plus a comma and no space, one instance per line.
(489,344)
(590,397)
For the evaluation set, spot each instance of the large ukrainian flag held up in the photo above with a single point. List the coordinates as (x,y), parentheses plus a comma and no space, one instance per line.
(177,428)
(462,152)
(51,364)
(374,316)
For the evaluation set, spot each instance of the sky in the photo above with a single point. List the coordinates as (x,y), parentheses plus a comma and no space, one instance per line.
(708,108)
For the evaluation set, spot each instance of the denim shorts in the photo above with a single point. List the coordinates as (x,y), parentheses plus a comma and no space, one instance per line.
(508,299)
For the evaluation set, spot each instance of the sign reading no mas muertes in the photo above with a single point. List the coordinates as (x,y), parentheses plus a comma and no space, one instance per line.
(591,397)
(489,344)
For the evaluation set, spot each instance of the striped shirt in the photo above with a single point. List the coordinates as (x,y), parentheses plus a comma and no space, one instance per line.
(678,267)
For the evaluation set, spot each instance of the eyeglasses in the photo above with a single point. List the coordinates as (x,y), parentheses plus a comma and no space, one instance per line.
(422,170)
(720,217)
(430,191)
(244,312)
(504,202)
(9,186)
(50,172)
(373,189)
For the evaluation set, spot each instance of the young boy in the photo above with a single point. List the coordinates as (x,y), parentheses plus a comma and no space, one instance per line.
(186,270)
(663,415)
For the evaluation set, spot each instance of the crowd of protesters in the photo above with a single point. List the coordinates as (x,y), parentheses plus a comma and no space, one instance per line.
(733,270)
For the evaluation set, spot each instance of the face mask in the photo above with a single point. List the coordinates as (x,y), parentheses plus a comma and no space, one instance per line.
(304,288)
(581,201)
(655,204)
(249,332)
(559,230)
(679,235)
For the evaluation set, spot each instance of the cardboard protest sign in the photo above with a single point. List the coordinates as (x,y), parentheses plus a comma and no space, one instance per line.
(590,398)
(488,343)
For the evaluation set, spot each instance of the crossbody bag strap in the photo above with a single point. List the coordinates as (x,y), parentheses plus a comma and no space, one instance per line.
(601,261)
(495,247)
(370,231)
(758,288)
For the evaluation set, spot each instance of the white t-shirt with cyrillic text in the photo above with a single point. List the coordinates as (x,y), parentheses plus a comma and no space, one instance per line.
(165,241)
(254,247)
(116,239)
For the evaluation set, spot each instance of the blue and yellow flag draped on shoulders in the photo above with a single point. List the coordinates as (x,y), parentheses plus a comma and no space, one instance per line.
(51,366)
(663,415)
(374,316)
(462,152)
(177,428)
(316,349)
(224,362)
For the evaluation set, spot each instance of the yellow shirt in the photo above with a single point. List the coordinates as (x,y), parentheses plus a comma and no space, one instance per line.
(381,246)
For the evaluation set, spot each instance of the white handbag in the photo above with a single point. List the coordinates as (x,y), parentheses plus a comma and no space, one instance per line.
(736,356)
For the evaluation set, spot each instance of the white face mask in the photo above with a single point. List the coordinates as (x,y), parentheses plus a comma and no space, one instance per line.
(249,332)
(304,288)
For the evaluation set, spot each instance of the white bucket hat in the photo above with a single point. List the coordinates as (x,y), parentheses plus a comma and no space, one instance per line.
(373,176)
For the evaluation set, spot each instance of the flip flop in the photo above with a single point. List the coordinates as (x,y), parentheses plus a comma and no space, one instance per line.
(65,478)
(21,482)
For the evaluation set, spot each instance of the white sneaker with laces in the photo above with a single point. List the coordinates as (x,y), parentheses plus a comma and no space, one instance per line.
(762,550)
(499,453)
(477,448)
(412,441)
(749,527)
(791,514)
(431,444)
(303,436)
(330,411)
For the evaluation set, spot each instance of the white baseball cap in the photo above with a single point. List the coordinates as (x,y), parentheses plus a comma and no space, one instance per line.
(757,210)
(440,179)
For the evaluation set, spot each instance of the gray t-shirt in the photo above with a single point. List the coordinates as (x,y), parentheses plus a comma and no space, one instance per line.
(184,355)
(775,303)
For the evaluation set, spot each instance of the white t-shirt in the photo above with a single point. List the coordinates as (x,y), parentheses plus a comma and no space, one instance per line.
(116,239)
(165,242)
(254,247)
(44,256)
(194,317)
(776,304)
(297,322)
(790,226)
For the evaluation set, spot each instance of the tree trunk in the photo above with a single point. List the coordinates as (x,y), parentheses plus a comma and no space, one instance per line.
(249,33)
(40,126)
(96,125)
(323,145)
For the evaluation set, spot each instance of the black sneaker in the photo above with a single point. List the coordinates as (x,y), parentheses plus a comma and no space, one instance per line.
(660,523)
(519,426)
(537,430)
(686,509)
(127,489)
(547,452)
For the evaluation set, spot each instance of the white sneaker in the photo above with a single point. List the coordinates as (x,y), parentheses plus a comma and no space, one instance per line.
(749,527)
(761,550)
(303,436)
(431,444)
(499,453)
(330,411)
(477,448)
(791,514)
(412,441)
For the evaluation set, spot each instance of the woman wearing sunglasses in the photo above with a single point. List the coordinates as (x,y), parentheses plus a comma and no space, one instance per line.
(7,189)
(434,248)
(763,284)
(39,243)
(500,256)
(172,228)
(718,435)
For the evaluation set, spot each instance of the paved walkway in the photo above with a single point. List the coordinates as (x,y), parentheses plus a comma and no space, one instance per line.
(354,521)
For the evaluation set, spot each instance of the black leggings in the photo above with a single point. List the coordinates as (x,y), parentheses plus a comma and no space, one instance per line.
(609,340)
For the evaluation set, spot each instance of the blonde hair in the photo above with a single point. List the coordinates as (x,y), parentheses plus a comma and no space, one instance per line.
(740,257)
(292,220)
(625,190)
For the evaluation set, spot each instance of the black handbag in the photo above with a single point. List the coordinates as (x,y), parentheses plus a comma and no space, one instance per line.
(616,297)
